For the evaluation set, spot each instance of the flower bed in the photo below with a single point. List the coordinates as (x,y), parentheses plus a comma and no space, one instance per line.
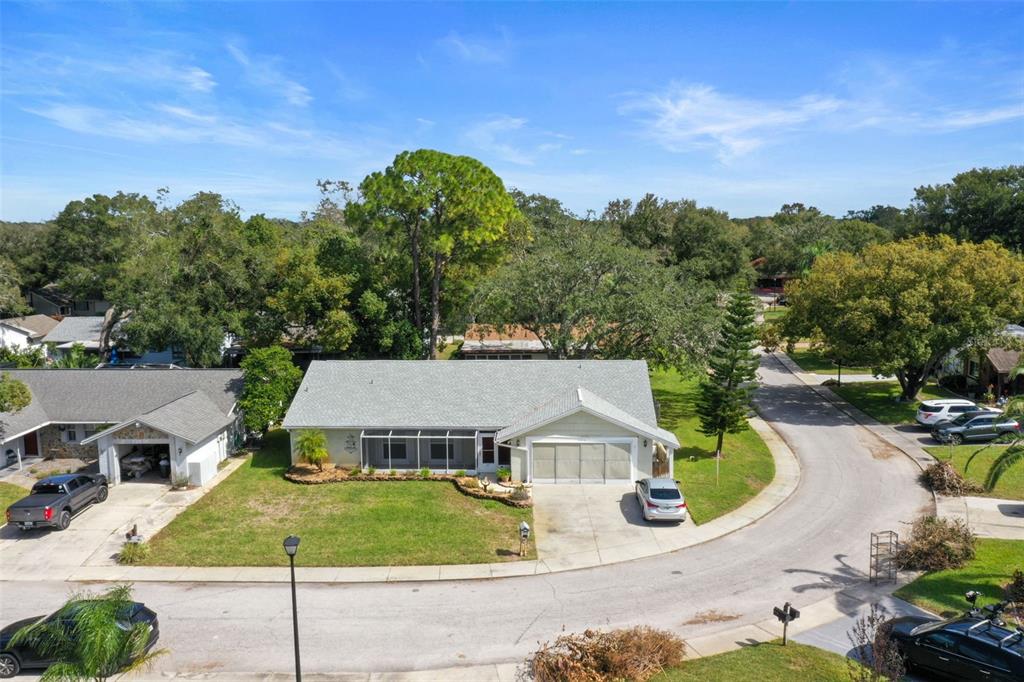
(467,485)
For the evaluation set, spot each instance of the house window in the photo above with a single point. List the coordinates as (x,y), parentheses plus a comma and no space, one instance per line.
(439,451)
(487,450)
(71,436)
(395,450)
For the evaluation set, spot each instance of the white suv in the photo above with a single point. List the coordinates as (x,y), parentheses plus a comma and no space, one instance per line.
(931,412)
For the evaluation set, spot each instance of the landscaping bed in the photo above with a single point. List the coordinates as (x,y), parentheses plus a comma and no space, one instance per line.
(1011,484)
(467,485)
(766,662)
(992,567)
(880,399)
(746,467)
(243,521)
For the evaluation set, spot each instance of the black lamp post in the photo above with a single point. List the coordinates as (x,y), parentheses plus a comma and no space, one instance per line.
(291,546)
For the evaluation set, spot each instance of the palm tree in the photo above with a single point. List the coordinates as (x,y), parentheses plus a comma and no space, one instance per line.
(1014,454)
(89,638)
(311,447)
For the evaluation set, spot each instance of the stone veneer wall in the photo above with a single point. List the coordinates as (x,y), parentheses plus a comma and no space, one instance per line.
(141,432)
(51,444)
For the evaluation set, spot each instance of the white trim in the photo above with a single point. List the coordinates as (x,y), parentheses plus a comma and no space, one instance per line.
(594,413)
(634,447)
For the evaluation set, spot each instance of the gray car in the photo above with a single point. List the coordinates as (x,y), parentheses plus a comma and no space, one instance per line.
(660,499)
(975,426)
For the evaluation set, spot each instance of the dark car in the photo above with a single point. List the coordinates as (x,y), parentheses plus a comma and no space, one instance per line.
(54,500)
(975,426)
(17,658)
(975,646)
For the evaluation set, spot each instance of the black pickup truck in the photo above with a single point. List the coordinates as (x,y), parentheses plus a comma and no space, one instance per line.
(54,500)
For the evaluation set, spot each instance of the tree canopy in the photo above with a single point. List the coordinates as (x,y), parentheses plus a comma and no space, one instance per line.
(980,204)
(902,307)
(271,380)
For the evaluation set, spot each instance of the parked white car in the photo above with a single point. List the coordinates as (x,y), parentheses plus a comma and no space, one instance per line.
(932,412)
(660,499)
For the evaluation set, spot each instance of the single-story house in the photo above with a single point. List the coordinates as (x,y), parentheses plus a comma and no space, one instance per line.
(188,416)
(19,333)
(86,331)
(564,421)
(977,374)
(51,300)
(485,342)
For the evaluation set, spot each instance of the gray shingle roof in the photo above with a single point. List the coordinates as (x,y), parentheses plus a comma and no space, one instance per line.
(103,396)
(193,417)
(76,329)
(459,394)
(574,401)
(35,325)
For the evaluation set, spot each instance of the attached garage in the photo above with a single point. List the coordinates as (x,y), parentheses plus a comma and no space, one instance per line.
(583,462)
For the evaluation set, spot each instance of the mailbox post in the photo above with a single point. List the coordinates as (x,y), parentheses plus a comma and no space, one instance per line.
(524,537)
(786,614)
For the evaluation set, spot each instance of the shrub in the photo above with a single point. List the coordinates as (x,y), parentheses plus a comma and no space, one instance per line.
(470,482)
(943,478)
(371,471)
(520,493)
(770,337)
(636,653)
(179,481)
(461,473)
(393,473)
(876,654)
(425,472)
(504,474)
(936,544)
(1014,593)
(311,447)
(133,553)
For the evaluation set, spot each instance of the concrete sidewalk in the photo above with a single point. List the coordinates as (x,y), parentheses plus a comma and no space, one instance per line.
(987,517)
(648,543)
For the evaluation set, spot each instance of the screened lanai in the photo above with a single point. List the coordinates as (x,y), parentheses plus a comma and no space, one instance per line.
(414,449)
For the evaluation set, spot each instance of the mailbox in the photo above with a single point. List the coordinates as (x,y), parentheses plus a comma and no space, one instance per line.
(785,615)
(524,531)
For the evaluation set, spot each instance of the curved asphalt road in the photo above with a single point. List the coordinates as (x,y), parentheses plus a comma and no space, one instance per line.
(811,547)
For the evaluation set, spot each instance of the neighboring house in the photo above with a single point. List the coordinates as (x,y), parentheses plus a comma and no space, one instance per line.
(186,415)
(86,331)
(50,300)
(19,333)
(484,342)
(978,373)
(565,421)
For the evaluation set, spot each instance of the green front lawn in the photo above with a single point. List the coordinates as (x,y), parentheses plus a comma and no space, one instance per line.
(880,399)
(813,361)
(449,351)
(943,591)
(1011,484)
(9,494)
(776,314)
(243,521)
(746,467)
(767,662)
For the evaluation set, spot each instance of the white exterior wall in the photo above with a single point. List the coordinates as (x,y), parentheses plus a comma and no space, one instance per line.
(342,446)
(12,338)
(201,460)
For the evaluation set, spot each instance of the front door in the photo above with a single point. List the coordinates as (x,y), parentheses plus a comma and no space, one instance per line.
(488,457)
(31,441)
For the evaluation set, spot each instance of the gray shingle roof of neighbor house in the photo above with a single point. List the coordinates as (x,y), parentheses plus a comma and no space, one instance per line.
(34,325)
(193,417)
(101,396)
(83,330)
(580,399)
(456,394)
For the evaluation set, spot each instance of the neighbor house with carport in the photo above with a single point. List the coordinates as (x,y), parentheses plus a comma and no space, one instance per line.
(189,416)
(557,421)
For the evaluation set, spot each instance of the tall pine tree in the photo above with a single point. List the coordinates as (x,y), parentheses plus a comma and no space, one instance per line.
(724,400)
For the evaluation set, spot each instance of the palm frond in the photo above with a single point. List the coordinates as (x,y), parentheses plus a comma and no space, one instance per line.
(967,464)
(1013,456)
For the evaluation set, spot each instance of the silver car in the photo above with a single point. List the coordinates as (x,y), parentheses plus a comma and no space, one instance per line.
(660,500)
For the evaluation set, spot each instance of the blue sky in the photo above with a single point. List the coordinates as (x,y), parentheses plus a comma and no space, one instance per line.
(740,106)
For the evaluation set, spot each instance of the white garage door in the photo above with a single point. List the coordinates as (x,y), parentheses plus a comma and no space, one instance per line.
(581,462)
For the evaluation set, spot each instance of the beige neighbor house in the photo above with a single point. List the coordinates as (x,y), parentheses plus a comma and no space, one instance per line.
(547,421)
(186,416)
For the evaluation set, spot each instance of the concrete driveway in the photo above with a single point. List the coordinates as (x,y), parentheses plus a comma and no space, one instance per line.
(573,521)
(95,534)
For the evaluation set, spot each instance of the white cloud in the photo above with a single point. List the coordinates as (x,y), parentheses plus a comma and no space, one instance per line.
(699,116)
(493,136)
(264,72)
(973,118)
(477,50)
